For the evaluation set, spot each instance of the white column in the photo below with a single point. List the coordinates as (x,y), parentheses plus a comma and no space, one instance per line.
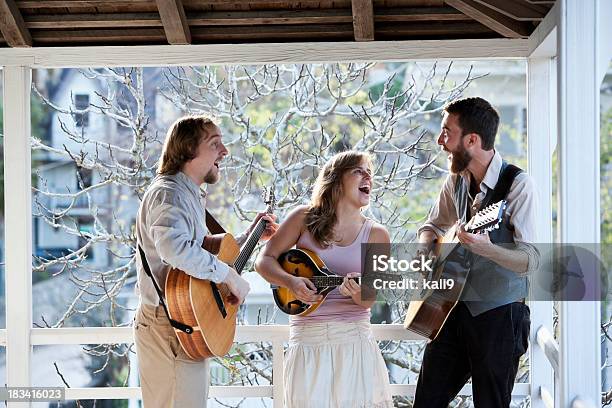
(541,132)
(278,361)
(605,33)
(18,228)
(579,200)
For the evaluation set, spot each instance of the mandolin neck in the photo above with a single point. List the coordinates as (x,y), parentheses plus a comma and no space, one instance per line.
(325,281)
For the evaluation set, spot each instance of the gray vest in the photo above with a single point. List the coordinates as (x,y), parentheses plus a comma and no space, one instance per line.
(488,285)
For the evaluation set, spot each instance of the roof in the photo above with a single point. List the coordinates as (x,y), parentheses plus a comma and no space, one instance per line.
(62,23)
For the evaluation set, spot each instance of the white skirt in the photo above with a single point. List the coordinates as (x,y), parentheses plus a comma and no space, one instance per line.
(335,365)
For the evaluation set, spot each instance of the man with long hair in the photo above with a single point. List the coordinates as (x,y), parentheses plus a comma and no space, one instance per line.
(170,229)
(487,332)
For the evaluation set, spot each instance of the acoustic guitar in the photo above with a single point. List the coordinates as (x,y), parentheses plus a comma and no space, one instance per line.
(206,306)
(426,317)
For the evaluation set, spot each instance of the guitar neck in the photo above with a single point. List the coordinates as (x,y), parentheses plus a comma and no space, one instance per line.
(249,245)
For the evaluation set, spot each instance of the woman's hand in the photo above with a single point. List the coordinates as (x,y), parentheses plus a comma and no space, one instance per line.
(349,286)
(304,290)
(352,289)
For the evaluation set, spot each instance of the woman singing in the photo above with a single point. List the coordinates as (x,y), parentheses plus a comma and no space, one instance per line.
(333,359)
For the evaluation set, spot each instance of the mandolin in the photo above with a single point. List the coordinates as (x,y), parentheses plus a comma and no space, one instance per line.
(306,264)
(205,307)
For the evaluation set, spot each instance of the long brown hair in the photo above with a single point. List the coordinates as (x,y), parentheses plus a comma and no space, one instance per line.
(321,215)
(182,141)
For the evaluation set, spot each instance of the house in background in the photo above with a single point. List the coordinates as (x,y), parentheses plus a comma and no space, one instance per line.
(70,90)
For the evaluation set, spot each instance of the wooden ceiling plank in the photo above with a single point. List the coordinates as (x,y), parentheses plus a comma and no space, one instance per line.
(363,19)
(12,26)
(429,28)
(490,18)
(405,18)
(408,3)
(282,3)
(404,14)
(37,4)
(323,3)
(175,23)
(516,9)
(540,8)
(542,2)
(274,17)
(319,32)
(332,16)
(59,21)
(98,36)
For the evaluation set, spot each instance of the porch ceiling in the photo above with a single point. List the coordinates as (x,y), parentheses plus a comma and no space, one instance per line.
(62,23)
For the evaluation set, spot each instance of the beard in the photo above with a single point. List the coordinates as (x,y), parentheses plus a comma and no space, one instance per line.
(211,177)
(460,160)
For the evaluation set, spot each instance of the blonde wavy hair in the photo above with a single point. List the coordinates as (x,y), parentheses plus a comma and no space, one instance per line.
(321,214)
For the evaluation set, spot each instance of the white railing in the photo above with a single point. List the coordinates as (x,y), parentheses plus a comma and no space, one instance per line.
(551,350)
(578,403)
(547,397)
(275,334)
(550,347)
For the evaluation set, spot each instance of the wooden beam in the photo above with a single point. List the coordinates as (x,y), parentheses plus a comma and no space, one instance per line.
(492,19)
(175,24)
(272,53)
(543,40)
(516,9)
(363,19)
(115,20)
(12,26)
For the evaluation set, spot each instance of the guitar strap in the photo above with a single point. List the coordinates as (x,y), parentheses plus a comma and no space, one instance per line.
(214,228)
(176,324)
(507,175)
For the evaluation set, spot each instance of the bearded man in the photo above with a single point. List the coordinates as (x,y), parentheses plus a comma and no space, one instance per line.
(488,330)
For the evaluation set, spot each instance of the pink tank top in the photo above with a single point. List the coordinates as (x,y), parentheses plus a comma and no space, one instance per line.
(340,260)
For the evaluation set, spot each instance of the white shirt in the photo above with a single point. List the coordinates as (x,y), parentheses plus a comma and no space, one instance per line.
(521,209)
(170,228)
